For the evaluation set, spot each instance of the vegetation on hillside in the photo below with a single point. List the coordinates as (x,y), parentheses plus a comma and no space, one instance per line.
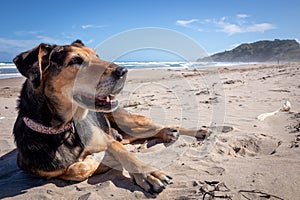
(261,51)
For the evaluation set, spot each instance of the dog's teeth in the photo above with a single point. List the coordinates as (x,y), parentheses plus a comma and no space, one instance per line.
(107,99)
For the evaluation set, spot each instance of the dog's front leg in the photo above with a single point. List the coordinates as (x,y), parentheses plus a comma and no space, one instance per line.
(134,127)
(81,170)
(150,179)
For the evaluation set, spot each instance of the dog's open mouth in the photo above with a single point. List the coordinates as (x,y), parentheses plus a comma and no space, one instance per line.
(102,103)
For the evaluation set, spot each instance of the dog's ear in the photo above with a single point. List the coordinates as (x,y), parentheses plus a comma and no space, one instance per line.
(32,63)
(77,43)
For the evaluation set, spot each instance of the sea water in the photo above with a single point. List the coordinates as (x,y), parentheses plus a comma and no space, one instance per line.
(9,70)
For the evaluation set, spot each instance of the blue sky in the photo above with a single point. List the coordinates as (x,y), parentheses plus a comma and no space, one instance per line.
(216,25)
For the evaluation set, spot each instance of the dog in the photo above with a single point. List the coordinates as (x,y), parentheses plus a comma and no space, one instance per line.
(68,112)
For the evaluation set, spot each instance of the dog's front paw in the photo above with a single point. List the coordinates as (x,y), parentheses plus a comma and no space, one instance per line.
(116,135)
(152,182)
(169,134)
(202,132)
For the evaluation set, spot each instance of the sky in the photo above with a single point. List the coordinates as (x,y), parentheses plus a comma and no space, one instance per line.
(215,25)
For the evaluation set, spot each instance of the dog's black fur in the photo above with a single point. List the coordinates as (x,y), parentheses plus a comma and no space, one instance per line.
(37,151)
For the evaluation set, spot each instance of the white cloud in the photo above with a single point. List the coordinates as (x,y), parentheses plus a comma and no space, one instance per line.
(232,29)
(90,41)
(186,23)
(10,48)
(239,24)
(92,26)
(259,27)
(24,33)
(13,47)
(242,16)
(48,40)
(25,44)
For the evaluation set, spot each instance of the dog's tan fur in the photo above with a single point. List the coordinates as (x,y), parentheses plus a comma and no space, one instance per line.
(95,76)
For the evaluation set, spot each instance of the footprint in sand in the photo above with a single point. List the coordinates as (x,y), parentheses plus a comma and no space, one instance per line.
(250,145)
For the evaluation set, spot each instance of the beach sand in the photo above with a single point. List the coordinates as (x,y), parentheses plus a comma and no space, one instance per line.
(257,160)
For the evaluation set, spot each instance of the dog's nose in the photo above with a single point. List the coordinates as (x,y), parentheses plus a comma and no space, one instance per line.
(120,71)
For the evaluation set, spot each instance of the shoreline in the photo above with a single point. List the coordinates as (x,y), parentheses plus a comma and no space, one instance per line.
(199,67)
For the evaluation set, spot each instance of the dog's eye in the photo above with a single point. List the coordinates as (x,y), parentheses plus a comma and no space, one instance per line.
(76,61)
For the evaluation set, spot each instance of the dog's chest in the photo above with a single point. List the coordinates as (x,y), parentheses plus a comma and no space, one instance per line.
(87,128)
(103,123)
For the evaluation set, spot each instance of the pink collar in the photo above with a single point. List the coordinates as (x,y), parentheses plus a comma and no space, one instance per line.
(46,129)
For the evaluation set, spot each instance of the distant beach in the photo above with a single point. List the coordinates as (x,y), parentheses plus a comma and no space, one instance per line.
(9,70)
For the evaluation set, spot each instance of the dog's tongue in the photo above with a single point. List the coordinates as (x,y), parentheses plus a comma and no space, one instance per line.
(107,99)
(101,98)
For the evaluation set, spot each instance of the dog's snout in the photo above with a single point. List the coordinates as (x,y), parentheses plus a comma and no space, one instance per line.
(120,71)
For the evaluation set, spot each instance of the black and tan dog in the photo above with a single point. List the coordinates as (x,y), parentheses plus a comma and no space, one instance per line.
(68,112)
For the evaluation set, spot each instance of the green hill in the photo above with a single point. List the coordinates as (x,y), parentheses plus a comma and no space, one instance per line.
(261,51)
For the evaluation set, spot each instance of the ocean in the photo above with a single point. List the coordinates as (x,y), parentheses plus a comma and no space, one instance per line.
(9,70)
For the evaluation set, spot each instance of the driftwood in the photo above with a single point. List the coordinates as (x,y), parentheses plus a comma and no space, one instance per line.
(285,108)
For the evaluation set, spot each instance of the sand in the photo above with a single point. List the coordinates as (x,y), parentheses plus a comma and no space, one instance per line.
(257,160)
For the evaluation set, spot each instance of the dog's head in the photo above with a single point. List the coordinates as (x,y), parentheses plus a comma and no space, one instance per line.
(72,74)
